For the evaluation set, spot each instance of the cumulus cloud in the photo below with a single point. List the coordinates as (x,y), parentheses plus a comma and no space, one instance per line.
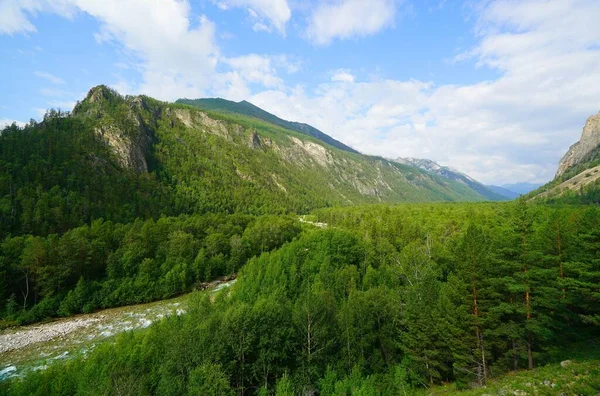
(265,14)
(15,14)
(342,76)
(512,128)
(4,122)
(175,52)
(343,19)
(515,127)
(253,70)
(13,18)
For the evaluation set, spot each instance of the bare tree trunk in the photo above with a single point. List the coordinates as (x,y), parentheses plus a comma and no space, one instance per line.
(26,293)
(481,367)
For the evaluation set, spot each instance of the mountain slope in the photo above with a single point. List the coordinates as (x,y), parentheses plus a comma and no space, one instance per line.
(120,158)
(577,179)
(248,109)
(454,175)
(504,192)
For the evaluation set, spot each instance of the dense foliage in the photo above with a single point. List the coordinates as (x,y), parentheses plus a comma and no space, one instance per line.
(386,301)
(130,200)
(59,174)
(122,158)
(109,264)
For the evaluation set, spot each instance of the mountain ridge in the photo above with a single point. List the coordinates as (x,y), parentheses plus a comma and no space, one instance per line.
(128,157)
(452,174)
(247,108)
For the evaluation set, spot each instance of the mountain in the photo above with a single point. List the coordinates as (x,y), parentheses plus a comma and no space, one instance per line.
(122,158)
(454,175)
(577,179)
(521,188)
(515,190)
(585,150)
(504,192)
(246,108)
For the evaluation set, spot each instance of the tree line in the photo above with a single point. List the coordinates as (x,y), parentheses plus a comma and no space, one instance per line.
(387,300)
(108,264)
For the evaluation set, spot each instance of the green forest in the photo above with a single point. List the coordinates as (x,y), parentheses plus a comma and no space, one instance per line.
(348,283)
(386,300)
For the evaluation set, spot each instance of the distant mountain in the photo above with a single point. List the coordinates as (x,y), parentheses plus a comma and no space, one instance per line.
(521,188)
(508,194)
(246,108)
(454,175)
(577,179)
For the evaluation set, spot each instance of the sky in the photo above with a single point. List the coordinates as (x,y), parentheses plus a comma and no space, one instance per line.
(496,89)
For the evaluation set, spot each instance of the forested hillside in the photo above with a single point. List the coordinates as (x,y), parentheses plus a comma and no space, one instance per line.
(388,300)
(129,200)
(74,187)
(246,108)
(108,264)
(122,158)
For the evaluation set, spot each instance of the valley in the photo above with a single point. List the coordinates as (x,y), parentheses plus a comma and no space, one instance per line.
(35,347)
(357,274)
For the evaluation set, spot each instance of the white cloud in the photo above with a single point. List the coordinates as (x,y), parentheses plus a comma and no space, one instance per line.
(253,69)
(50,77)
(58,93)
(342,76)
(513,128)
(265,14)
(65,105)
(13,18)
(15,14)
(177,52)
(342,19)
(4,122)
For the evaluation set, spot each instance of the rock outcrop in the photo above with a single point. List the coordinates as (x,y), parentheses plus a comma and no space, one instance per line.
(254,141)
(590,140)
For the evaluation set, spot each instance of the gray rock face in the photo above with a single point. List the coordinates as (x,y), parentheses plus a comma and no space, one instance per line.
(590,139)
(128,139)
(254,142)
(130,151)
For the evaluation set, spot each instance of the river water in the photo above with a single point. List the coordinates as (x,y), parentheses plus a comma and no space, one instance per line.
(36,347)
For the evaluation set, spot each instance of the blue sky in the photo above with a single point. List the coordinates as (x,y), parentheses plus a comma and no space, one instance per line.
(497,89)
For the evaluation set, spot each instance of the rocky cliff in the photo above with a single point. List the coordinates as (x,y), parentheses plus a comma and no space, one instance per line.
(590,140)
(126,132)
